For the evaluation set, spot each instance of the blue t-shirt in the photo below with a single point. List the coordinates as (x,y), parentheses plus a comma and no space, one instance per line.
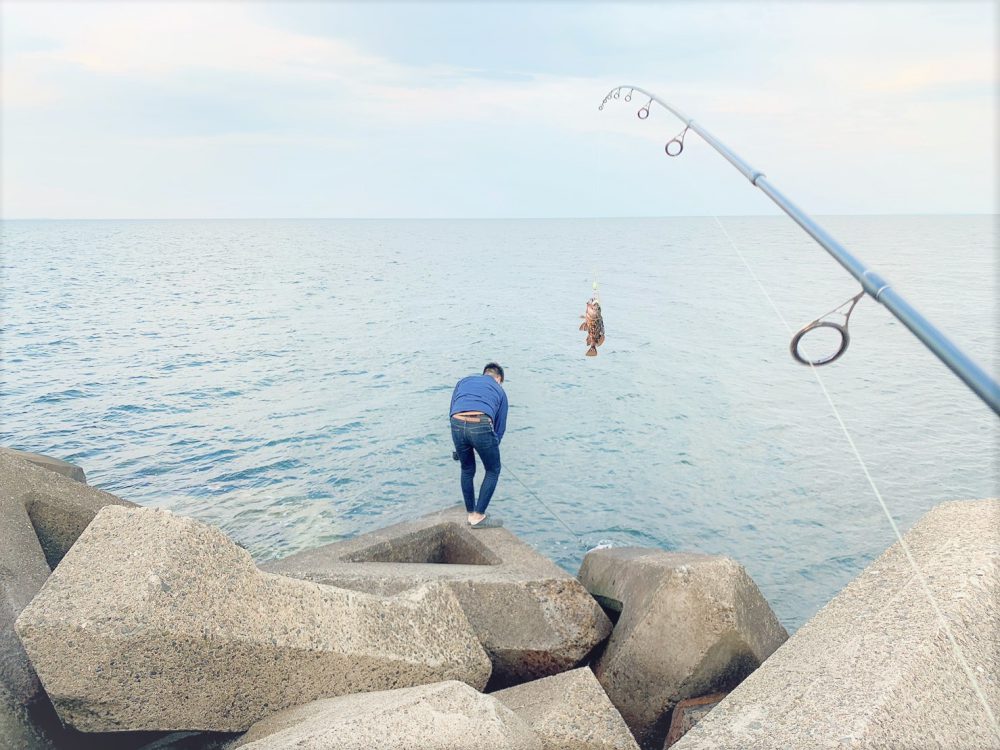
(481,393)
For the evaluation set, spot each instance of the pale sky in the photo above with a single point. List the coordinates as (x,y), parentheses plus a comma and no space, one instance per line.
(323,109)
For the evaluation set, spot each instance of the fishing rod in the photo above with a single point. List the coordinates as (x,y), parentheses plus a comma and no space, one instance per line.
(974,376)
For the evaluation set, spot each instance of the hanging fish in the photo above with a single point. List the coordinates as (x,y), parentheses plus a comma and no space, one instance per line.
(593,324)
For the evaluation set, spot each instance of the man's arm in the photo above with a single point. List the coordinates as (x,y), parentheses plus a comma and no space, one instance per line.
(501,421)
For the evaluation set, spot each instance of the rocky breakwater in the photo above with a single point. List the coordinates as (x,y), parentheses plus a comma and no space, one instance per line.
(425,634)
(153,621)
(42,513)
(906,656)
(690,625)
(431,717)
(532,617)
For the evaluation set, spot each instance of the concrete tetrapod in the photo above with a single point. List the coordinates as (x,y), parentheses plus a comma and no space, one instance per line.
(57,465)
(875,668)
(690,625)
(569,711)
(58,508)
(41,516)
(533,618)
(445,716)
(154,621)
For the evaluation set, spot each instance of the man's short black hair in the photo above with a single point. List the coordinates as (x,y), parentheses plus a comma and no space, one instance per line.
(493,368)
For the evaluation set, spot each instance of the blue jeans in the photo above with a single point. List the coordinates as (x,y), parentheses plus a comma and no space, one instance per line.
(478,436)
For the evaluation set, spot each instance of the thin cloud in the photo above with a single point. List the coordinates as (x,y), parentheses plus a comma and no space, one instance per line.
(162,41)
(177,81)
(966,71)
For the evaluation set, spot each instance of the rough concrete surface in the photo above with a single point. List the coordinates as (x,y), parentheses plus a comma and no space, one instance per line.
(192,741)
(72,471)
(59,508)
(690,625)
(874,668)
(569,711)
(445,716)
(41,515)
(533,618)
(17,731)
(153,621)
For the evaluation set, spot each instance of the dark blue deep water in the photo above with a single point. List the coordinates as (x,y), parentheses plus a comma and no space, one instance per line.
(289,380)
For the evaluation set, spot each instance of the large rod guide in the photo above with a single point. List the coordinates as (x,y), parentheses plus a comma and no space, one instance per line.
(874,285)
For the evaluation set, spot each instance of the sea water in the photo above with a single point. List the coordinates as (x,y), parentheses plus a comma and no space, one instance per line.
(289,380)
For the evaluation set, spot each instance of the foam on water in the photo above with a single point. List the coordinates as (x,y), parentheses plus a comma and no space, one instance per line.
(289,380)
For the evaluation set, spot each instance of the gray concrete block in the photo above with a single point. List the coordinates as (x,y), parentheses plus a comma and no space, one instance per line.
(41,515)
(533,618)
(72,471)
(569,711)
(874,668)
(690,625)
(17,730)
(192,741)
(38,728)
(23,572)
(445,716)
(59,508)
(153,621)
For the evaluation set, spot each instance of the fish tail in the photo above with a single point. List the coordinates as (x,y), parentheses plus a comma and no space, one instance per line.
(592,351)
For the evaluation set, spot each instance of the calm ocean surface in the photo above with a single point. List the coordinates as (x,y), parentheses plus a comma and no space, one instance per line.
(289,380)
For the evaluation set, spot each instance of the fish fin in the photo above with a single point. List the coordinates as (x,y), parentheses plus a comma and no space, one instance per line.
(592,351)
(600,341)
(583,326)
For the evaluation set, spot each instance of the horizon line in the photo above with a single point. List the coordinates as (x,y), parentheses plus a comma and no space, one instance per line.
(476,218)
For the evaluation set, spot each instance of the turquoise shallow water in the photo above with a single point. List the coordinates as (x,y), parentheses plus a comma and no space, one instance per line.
(289,380)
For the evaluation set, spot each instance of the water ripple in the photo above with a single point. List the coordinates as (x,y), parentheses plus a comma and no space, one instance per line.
(288,381)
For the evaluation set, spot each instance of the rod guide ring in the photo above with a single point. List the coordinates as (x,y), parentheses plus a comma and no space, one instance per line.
(845,339)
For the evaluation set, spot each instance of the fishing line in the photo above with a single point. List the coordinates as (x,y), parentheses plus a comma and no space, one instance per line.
(579,539)
(969,371)
(544,505)
(885,509)
(974,376)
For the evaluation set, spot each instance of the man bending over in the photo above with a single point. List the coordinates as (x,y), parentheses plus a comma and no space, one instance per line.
(478,420)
